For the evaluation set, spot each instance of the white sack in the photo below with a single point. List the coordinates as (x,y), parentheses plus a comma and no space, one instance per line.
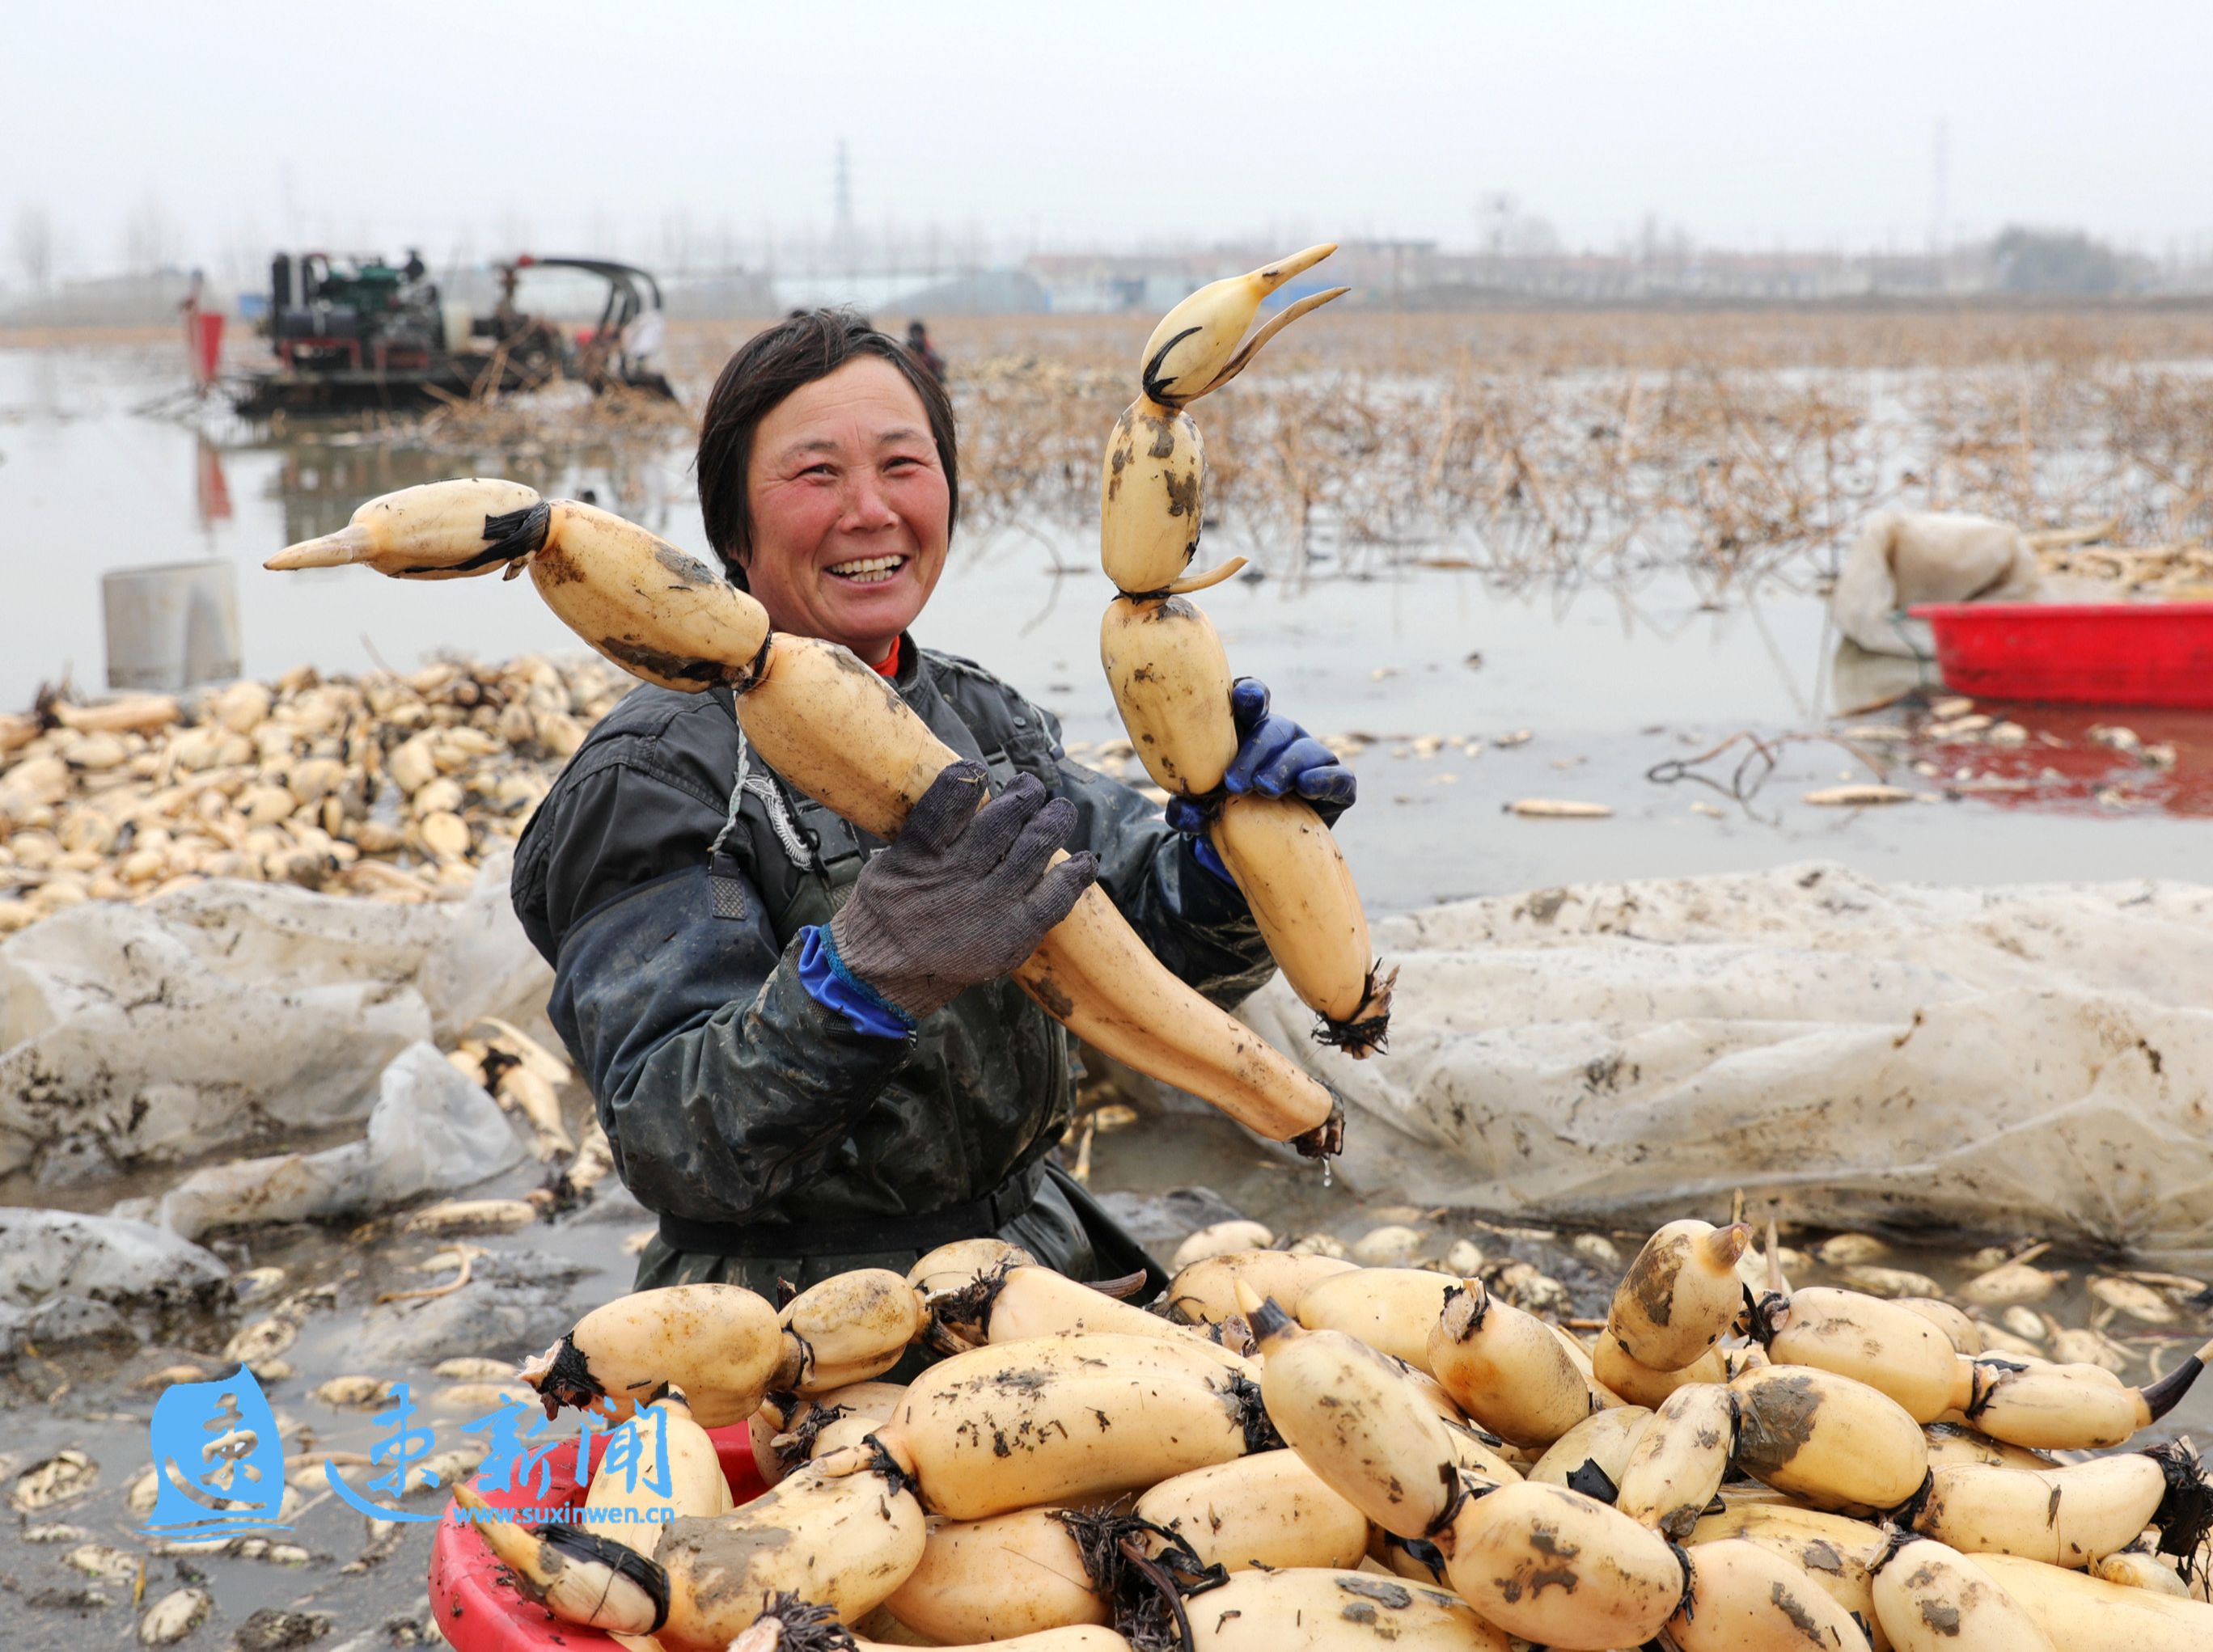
(432,1130)
(2013,1060)
(134,1034)
(1905,557)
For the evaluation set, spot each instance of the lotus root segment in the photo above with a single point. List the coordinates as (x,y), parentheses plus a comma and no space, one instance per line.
(1195,346)
(1164,662)
(1151,491)
(436,531)
(1680,1294)
(1294,876)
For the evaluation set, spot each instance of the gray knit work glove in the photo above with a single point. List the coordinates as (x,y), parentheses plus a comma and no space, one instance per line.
(963,894)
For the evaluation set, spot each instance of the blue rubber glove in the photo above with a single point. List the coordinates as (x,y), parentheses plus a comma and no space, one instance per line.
(1275,756)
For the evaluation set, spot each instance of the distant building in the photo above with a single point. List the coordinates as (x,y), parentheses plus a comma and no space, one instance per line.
(736,293)
(1087,283)
(879,293)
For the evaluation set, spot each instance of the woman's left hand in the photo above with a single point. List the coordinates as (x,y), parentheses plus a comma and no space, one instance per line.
(1275,757)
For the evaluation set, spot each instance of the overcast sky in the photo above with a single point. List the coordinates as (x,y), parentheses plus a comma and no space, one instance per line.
(463,126)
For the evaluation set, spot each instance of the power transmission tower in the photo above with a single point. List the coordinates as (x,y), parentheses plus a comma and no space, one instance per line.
(1940,191)
(843,208)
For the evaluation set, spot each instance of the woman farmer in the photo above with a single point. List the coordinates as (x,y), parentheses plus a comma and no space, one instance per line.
(806,1053)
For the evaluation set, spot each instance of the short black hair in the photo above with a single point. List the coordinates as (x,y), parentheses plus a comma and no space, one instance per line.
(806,345)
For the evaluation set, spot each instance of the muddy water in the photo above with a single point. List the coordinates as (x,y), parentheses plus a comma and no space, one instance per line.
(1437,676)
(1607,681)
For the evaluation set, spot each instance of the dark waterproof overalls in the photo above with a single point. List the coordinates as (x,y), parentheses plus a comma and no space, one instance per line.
(773,1140)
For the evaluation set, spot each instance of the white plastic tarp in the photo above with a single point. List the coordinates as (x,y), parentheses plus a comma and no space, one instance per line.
(45,1253)
(232,1011)
(432,1130)
(2034,1059)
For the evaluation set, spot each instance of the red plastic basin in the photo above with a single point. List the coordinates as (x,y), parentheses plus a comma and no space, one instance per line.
(478,1607)
(2079,653)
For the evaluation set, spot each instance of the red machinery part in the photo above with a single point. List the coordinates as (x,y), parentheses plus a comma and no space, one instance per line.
(204,331)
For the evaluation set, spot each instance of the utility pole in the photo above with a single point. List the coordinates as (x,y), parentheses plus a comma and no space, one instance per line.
(1494,216)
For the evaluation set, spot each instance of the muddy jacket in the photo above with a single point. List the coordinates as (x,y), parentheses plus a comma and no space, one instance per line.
(773,1137)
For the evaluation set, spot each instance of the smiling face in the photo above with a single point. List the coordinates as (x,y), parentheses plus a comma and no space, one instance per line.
(849,507)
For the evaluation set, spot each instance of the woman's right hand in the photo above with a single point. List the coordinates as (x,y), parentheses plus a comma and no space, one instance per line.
(962,895)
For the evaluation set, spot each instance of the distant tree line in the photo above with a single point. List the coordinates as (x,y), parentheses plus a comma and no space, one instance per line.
(2056,261)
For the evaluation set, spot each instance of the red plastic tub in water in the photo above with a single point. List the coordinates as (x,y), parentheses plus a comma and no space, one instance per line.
(479,1608)
(2080,653)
